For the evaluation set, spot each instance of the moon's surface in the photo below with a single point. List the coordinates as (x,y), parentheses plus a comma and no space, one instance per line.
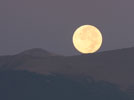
(87,39)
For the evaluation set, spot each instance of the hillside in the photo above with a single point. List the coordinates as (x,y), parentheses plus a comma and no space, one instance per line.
(23,85)
(116,66)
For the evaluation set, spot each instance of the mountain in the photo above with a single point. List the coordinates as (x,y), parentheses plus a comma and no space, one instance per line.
(24,85)
(37,52)
(22,59)
(116,66)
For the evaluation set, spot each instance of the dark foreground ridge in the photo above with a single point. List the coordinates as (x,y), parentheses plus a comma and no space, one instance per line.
(23,85)
(115,66)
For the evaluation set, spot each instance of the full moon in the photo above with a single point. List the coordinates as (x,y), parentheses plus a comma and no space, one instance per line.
(87,39)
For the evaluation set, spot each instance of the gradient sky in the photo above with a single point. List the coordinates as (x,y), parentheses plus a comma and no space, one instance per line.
(49,24)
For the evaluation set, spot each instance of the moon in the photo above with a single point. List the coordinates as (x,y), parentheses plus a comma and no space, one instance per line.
(87,39)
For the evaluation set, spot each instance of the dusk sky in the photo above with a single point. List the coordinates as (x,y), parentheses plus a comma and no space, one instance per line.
(49,24)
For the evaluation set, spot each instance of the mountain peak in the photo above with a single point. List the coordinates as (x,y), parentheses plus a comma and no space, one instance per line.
(38,52)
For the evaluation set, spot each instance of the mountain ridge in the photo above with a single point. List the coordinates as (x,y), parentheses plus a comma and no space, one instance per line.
(37,52)
(115,66)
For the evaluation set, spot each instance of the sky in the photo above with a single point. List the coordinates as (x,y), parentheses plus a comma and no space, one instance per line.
(50,24)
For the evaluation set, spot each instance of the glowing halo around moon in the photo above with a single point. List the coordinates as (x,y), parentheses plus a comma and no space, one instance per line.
(87,39)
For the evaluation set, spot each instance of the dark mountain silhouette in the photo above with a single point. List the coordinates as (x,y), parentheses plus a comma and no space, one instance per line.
(116,66)
(23,85)
(36,52)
